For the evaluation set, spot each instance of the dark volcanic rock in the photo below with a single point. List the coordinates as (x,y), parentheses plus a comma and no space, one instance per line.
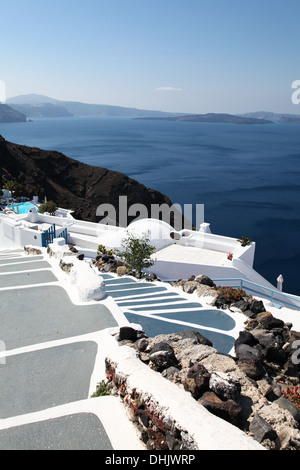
(197,381)
(228,410)
(70,183)
(252,367)
(162,356)
(262,430)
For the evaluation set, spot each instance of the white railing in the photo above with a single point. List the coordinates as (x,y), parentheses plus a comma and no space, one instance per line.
(279,299)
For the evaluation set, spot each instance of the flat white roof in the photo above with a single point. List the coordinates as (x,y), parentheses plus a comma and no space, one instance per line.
(190,254)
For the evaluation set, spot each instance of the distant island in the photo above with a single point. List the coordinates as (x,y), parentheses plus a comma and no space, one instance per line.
(40,106)
(212,117)
(275,117)
(8,114)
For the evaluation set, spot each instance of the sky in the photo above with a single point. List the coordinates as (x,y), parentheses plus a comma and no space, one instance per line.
(187,56)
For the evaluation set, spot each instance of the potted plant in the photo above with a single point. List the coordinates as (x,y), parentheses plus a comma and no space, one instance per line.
(244,241)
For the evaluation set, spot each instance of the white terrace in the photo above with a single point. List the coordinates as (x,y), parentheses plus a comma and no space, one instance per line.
(179,254)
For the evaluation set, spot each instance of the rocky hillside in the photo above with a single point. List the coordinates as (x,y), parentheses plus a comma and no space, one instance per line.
(70,183)
(8,114)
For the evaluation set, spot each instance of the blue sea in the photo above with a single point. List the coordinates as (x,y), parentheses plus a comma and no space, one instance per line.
(247,176)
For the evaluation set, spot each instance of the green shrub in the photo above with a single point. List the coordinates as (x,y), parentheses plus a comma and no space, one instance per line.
(102,389)
(137,252)
(49,207)
(104,251)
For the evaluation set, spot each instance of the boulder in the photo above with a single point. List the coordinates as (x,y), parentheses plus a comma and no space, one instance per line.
(127,333)
(197,381)
(31,250)
(249,313)
(142,344)
(221,301)
(229,410)
(267,341)
(66,265)
(191,353)
(243,351)
(162,346)
(206,291)
(190,286)
(245,337)
(226,386)
(257,306)
(252,367)
(261,429)
(161,360)
(268,322)
(121,270)
(162,356)
(258,333)
(242,305)
(289,406)
(195,335)
(169,372)
(277,355)
(203,279)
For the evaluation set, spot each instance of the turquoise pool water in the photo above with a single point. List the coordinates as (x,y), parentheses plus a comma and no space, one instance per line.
(23,207)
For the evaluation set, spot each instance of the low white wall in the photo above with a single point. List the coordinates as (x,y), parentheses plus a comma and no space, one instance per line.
(175,407)
(208,241)
(167,270)
(13,235)
(246,254)
(75,226)
(171,270)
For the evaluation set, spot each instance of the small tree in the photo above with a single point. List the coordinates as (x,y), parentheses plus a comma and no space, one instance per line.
(16,189)
(137,252)
(49,207)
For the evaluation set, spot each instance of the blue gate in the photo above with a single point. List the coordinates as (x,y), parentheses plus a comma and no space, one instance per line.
(64,234)
(50,234)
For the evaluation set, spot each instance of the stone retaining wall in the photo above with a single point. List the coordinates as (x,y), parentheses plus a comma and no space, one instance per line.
(167,417)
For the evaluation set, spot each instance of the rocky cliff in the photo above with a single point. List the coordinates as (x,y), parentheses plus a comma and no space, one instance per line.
(8,114)
(70,183)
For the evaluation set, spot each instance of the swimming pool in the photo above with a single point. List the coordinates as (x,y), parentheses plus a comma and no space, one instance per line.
(22,208)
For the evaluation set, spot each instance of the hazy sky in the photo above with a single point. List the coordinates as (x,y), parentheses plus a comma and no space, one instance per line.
(193,56)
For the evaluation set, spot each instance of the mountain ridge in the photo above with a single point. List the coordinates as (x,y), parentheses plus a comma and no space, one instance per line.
(32,103)
(36,106)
